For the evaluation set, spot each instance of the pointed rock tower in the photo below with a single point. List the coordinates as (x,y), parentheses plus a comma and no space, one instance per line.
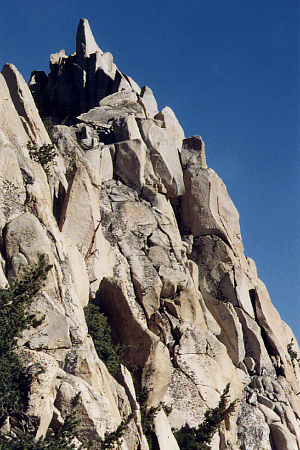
(135,224)
(78,82)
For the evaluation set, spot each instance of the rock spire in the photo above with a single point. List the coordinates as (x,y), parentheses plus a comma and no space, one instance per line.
(85,42)
(132,220)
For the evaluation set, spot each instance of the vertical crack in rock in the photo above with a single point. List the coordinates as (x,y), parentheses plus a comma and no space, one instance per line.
(131,218)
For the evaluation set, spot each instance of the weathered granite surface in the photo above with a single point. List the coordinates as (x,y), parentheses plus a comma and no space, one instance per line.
(130,215)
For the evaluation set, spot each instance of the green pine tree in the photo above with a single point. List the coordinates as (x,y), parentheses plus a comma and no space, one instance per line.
(191,438)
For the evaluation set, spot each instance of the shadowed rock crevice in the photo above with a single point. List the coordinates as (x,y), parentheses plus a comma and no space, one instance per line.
(130,216)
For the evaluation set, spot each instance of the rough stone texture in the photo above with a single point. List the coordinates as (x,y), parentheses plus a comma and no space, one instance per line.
(170,122)
(131,218)
(193,152)
(164,156)
(44,370)
(253,431)
(12,189)
(202,357)
(184,401)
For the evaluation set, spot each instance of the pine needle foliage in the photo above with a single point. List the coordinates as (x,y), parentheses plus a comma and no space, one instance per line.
(191,438)
(14,384)
(291,351)
(112,439)
(14,319)
(60,439)
(147,415)
(100,332)
(49,126)
(44,155)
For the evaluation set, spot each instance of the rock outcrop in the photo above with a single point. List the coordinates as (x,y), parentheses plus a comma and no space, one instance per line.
(132,219)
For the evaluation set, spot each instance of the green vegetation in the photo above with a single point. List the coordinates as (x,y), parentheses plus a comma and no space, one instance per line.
(13,320)
(14,384)
(147,416)
(44,155)
(63,438)
(48,124)
(291,352)
(60,439)
(101,334)
(191,438)
(70,168)
(113,438)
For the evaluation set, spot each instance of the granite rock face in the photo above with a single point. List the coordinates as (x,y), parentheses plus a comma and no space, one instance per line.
(130,217)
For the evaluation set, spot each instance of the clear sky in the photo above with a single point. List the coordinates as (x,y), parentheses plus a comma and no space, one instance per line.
(230,70)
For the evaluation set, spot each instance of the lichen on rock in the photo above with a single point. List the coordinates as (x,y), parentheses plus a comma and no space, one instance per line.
(132,219)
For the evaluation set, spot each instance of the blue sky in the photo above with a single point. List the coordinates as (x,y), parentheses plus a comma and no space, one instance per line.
(230,70)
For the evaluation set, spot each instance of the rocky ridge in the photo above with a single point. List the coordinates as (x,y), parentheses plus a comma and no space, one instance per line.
(142,226)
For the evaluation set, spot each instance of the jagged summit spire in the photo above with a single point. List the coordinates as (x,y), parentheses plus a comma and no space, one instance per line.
(82,79)
(85,41)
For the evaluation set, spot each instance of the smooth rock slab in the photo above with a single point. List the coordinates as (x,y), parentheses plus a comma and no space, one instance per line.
(254,344)
(148,102)
(80,222)
(171,123)
(119,99)
(265,401)
(208,209)
(163,432)
(106,114)
(80,214)
(164,156)
(12,131)
(54,332)
(125,128)
(269,414)
(130,162)
(85,41)
(25,241)
(231,330)
(282,438)
(25,106)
